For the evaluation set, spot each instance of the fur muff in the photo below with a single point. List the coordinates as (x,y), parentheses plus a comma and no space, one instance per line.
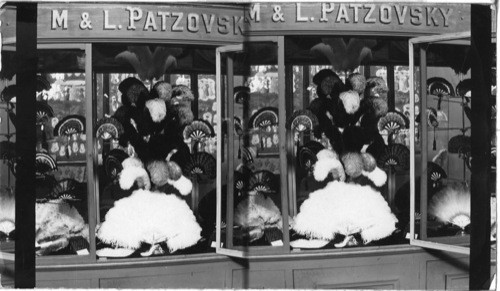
(328,163)
(342,208)
(150,217)
(357,82)
(157,109)
(351,101)
(162,90)
(131,175)
(158,171)
(353,164)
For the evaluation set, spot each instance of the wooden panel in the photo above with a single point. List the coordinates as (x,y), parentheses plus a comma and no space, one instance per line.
(447,274)
(378,276)
(213,280)
(73,283)
(257,279)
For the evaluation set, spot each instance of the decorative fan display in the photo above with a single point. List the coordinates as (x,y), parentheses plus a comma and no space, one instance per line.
(432,119)
(459,144)
(267,116)
(113,162)
(42,84)
(198,129)
(240,182)
(452,205)
(66,190)
(435,173)
(262,181)
(108,128)
(248,154)
(238,126)
(395,156)
(439,87)
(201,164)
(302,120)
(69,125)
(44,163)
(43,111)
(307,155)
(241,93)
(393,121)
(464,88)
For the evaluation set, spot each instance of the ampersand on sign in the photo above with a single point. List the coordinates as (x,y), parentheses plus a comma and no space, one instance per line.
(278,15)
(85,23)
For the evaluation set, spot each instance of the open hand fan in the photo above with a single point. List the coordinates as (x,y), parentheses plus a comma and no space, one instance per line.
(108,128)
(201,164)
(452,205)
(43,111)
(435,173)
(306,155)
(464,88)
(113,163)
(66,189)
(459,144)
(44,163)
(262,181)
(302,120)
(393,121)
(267,116)
(248,154)
(198,129)
(439,87)
(69,125)
(395,156)
(42,84)
(241,94)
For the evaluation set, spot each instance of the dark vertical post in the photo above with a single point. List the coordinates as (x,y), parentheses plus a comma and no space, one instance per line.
(481,54)
(194,88)
(26,38)
(391,96)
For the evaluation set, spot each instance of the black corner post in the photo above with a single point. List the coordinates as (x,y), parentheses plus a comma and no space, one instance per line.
(482,62)
(26,43)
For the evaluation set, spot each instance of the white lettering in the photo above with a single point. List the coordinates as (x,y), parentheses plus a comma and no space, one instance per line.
(431,17)
(385,14)
(60,19)
(368,16)
(401,15)
(208,22)
(356,11)
(178,17)
(255,12)
(416,16)
(324,11)
(135,14)
(300,18)
(164,16)
(238,25)
(106,21)
(446,16)
(193,22)
(150,21)
(342,14)
(223,22)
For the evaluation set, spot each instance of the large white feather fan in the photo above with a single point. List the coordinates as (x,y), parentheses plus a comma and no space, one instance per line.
(150,217)
(342,208)
(452,205)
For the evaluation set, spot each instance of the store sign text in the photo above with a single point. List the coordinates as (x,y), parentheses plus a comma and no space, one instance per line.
(139,19)
(351,14)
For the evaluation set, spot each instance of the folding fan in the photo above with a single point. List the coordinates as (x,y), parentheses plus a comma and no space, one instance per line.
(435,173)
(197,130)
(264,117)
(393,121)
(306,155)
(241,93)
(108,128)
(42,83)
(43,111)
(262,181)
(248,154)
(464,88)
(452,205)
(66,189)
(302,120)
(395,156)
(69,125)
(439,87)
(459,144)
(44,163)
(113,162)
(201,164)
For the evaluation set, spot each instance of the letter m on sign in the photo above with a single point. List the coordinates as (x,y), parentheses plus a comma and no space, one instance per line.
(59,19)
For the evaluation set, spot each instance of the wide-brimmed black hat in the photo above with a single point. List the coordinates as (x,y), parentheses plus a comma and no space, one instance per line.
(322,75)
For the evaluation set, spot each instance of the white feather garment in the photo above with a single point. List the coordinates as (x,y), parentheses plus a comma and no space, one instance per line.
(342,208)
(130,175)
(132,163)
(258,211)
(452,205)
(157,109)
(326,165)
(150,217)
(57,218)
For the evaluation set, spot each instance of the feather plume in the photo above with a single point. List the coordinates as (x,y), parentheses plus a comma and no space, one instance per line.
(452,205)
(351,101)
(377,176)
(148,65)
(342,56)
(328,163)
(342,208)
(132,162)
(157,109)
(150,217)
(183,184)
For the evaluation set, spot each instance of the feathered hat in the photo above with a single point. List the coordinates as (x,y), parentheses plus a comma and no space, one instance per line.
(328,162)
(134,93)
(134,172)
(166,171)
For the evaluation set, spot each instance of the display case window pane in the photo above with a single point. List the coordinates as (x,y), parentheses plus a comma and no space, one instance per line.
(62,220)
(156,160)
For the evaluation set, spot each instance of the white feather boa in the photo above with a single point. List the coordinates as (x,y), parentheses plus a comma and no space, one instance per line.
(150,217)
(342,208)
